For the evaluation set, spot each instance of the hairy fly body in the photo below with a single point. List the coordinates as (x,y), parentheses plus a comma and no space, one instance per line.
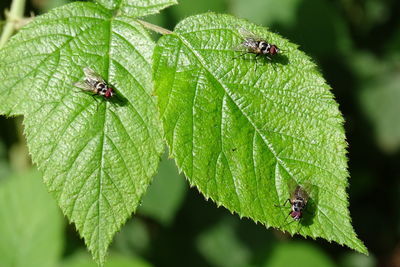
(94,83)
(298,201)
(257,46)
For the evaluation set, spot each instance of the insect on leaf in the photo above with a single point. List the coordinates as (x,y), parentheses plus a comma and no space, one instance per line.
(243,134)
(97,157)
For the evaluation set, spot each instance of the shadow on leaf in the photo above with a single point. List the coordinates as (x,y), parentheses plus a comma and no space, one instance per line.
(119,100)
(311,208)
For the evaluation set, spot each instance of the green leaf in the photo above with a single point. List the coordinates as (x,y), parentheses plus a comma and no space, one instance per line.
(137,8)
(246,134)
(31,227)
(97,156)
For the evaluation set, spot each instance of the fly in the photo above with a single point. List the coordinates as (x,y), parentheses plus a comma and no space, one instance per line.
(298,201)
(257,46)
(94,83)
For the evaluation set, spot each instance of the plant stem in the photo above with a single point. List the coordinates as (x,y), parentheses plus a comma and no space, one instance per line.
(16,13)
(154,28)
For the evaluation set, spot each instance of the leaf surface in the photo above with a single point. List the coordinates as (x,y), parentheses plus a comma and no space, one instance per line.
(246,132)
(97,156)
(137,8)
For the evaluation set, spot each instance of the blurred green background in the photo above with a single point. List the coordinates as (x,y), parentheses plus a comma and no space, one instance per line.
(356,44)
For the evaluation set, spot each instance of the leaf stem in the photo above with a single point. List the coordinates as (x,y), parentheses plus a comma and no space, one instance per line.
(14,15)
(154,28)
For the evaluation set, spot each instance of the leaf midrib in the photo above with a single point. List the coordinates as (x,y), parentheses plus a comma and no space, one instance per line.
(100,179)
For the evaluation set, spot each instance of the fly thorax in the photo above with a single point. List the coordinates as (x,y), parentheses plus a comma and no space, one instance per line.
(101,88)
(264,47)
(298,204)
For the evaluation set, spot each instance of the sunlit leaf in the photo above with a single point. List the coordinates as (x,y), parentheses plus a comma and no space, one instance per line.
(97,155)
(137,8)
(244,132)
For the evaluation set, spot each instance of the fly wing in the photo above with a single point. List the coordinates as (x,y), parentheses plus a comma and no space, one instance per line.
(249,37)
(296,190)
(246,34)
(250,41)
(301,192)
(241,47)
(92,77)
(84,86)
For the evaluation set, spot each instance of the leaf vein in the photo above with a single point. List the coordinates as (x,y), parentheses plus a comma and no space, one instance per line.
(266,141)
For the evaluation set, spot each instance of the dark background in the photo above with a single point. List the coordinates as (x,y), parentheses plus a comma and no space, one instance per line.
(356,44)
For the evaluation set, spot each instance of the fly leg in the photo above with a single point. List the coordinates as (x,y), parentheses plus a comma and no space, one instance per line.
(284,204)
(299,226)
(270,59)
(94,97)
(241,55)
(287,216)
(285,223)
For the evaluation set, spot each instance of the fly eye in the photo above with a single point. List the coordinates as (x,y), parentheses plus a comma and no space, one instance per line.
(274,49)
